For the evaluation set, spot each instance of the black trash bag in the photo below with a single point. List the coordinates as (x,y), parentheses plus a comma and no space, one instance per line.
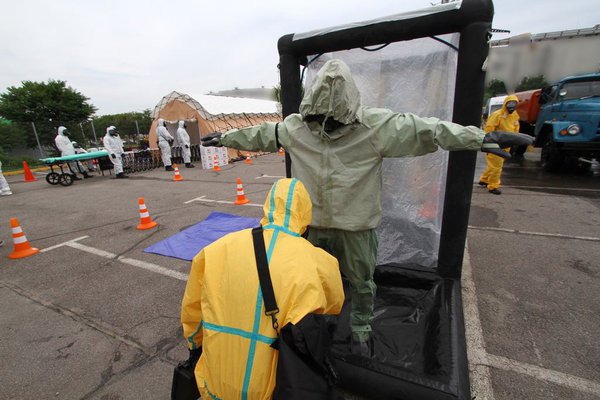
(304,368)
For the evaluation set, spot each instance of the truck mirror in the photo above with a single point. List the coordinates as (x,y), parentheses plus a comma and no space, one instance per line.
(562,93)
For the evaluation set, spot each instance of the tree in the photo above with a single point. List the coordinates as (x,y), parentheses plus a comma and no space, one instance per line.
(125,123)
(11,135)
(494,88)
(47,104)
(535,82)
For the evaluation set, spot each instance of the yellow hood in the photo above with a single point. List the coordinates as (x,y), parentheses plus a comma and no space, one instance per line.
(511,97)
(288,207)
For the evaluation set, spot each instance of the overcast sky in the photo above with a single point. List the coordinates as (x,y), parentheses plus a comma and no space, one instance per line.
(126,54)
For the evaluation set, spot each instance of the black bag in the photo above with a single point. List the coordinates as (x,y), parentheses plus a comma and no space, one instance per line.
(184,381)
(304,370)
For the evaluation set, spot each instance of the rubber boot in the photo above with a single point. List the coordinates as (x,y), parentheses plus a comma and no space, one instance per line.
(86,175)
(168,168)
(121,175)
(75,177)
(190,165)
(495,191)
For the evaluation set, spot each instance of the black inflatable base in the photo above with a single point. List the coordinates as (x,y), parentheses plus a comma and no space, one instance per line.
(419,340)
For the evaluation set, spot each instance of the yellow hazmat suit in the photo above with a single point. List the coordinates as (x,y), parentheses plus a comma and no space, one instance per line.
(500,120)
(223,308)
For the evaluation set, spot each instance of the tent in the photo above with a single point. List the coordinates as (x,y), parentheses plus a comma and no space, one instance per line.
(206,113)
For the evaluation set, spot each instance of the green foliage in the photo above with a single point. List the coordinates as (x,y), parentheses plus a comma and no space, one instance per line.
(125,123)
(10,162)
(47,104)
(11,135)
(530,83)
(494,88)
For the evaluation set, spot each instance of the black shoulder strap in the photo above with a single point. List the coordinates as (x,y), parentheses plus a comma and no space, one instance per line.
(277,136)
(264,277)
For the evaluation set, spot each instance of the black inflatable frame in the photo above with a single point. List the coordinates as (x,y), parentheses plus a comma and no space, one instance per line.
(473,21)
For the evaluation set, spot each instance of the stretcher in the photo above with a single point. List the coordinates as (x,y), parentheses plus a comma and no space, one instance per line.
(65,178)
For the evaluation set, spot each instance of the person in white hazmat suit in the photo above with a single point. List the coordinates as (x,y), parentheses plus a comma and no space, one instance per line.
(64,145)
(4,188)
(337,147)
(114,146)
(184,140)
(165,140)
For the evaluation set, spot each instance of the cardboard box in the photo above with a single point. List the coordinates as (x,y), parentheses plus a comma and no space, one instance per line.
(208,154)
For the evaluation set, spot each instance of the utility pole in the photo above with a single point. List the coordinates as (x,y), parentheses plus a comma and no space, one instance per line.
(137,127)
(37,140)
(82,132)
(94,130)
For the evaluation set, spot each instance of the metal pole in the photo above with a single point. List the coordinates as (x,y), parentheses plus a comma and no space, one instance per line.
(38,141)
(94,130)
(137,127)
(82,132)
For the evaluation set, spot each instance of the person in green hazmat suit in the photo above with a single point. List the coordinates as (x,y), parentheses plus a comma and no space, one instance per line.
(337,147)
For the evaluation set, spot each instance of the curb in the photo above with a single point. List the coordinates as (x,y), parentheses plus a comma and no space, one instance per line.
(20,171)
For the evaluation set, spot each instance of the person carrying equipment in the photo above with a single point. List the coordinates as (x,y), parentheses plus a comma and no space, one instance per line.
(505,119)
(165,140)
(184,140)
(64,145)
(337,147)
(114,146)
(223,314)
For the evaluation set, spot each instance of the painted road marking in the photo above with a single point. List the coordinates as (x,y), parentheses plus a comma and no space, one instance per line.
(480,361)
(204,199)
(270,176)
(546,188)
(555,235)
(481,381)
(559,378)
(125,260)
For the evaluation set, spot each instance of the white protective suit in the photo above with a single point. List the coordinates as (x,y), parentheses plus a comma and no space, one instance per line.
(114,146)
(164,137)
(4,188)
(64,145)
(184,140)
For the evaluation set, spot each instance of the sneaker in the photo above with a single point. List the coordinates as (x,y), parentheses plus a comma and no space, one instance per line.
(482,183)
(495,191)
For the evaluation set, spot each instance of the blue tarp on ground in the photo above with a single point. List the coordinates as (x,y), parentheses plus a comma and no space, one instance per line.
(187,243)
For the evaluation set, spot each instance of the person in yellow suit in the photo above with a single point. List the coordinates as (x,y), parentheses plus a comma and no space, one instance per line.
(505,119)
(223,311)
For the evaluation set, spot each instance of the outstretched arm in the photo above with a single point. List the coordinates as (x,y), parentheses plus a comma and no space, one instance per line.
(263,137)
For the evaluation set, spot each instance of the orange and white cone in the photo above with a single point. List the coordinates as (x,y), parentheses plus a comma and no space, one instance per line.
(22,247)
(248,160)
(241,197)
(216,163)
(145,220)
(177,177)
(281,151)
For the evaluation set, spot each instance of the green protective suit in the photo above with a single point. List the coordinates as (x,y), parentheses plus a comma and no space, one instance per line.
(341,169)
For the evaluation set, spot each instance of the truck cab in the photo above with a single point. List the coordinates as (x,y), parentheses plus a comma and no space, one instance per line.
(568,123)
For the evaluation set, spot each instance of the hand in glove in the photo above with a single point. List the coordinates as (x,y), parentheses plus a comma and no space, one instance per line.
(212,140)
(113,155)
(187,146)
(171,143)
(193,358)
(495,141)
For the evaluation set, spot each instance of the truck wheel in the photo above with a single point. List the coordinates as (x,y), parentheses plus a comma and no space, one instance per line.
(552,157)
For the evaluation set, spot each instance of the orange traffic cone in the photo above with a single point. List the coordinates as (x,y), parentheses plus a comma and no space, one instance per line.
(241,197)
(177,177)
(22,247)
(281,151)
(216,163)
(248,160)
(28,175)
(145,220)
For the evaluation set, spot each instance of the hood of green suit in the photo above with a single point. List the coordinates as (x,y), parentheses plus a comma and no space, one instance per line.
(333,94)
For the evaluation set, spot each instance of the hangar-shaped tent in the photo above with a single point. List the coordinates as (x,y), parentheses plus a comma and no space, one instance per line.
(206,113)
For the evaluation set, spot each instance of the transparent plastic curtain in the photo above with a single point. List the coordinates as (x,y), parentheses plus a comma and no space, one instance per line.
(416,76)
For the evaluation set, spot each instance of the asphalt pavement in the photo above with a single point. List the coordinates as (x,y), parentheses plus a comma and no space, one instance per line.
(94,317)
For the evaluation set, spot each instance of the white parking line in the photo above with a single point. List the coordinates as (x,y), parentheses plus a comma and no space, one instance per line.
(204,199)
(481,382)
(556,235)
(559,378)
(270,176)
(129,261)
